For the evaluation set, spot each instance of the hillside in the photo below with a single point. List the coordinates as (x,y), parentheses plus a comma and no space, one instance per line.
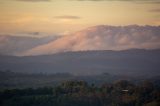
(133,62)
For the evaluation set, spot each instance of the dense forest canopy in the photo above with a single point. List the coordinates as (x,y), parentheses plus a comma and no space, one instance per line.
(80,93)
(11,80)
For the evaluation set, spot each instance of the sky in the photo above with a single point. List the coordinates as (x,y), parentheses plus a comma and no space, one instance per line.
(67,16)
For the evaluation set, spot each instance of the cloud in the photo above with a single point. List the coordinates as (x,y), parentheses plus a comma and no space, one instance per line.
(155,10)
(91,0)
(117,0)
(36,33)
(67,17)
(34,0)
(103,38)
(11,44)
(137,1)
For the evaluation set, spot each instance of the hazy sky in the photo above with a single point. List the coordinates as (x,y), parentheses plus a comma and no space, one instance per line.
(65,16)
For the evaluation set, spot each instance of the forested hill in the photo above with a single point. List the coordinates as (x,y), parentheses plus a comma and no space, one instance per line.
(135,62)
(79,93)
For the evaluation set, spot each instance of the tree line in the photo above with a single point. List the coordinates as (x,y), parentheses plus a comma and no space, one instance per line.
(80,93)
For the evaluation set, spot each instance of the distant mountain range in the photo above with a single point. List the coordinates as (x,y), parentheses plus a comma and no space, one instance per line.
(102,37)
(94,50)
(135,62)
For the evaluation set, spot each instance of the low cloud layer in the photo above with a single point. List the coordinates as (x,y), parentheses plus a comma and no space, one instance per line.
(67,17)
(140,1)
(34,0)
(155,10)
(12,45)
(103,38)
(117,0)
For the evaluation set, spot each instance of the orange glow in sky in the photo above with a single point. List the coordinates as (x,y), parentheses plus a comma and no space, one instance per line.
(61,16)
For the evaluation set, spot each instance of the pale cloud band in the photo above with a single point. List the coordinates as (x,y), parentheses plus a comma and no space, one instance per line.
(34,0)
(155,10)
(117,0)
(140,1)
(67,17)
(103,37)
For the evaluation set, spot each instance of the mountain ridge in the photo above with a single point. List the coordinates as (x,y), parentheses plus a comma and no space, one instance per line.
(125,62)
